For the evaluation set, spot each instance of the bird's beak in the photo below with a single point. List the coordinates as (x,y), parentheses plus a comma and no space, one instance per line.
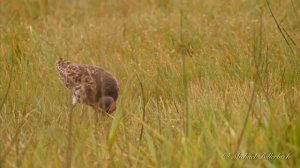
(112,108)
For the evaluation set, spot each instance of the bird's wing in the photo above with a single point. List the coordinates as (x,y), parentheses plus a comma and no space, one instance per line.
(86,85)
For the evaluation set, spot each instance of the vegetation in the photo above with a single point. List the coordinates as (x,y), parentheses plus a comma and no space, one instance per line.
(201,83)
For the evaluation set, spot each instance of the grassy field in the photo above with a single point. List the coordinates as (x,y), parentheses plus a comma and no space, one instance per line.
(202,83)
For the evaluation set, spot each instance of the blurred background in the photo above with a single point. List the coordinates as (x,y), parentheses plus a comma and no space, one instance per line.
(198,80)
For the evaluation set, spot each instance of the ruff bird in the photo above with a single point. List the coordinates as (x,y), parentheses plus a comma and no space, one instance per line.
(89,84)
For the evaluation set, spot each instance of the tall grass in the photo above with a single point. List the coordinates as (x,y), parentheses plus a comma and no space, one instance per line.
(215,78)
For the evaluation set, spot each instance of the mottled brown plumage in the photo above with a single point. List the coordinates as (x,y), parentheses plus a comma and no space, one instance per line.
(89,84)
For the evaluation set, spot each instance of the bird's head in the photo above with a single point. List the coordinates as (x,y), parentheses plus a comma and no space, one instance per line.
(107,104)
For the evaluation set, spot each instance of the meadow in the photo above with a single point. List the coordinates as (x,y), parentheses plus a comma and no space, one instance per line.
(202,83)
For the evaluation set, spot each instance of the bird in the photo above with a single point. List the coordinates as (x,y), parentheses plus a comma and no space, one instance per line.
(89,84)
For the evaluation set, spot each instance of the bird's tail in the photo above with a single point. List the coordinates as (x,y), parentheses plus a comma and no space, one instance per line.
(61,64)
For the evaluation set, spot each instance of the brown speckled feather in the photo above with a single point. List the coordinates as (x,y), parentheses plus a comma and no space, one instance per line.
(88,83)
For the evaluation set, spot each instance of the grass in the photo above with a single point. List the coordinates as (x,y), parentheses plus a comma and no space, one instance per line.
(199,80)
